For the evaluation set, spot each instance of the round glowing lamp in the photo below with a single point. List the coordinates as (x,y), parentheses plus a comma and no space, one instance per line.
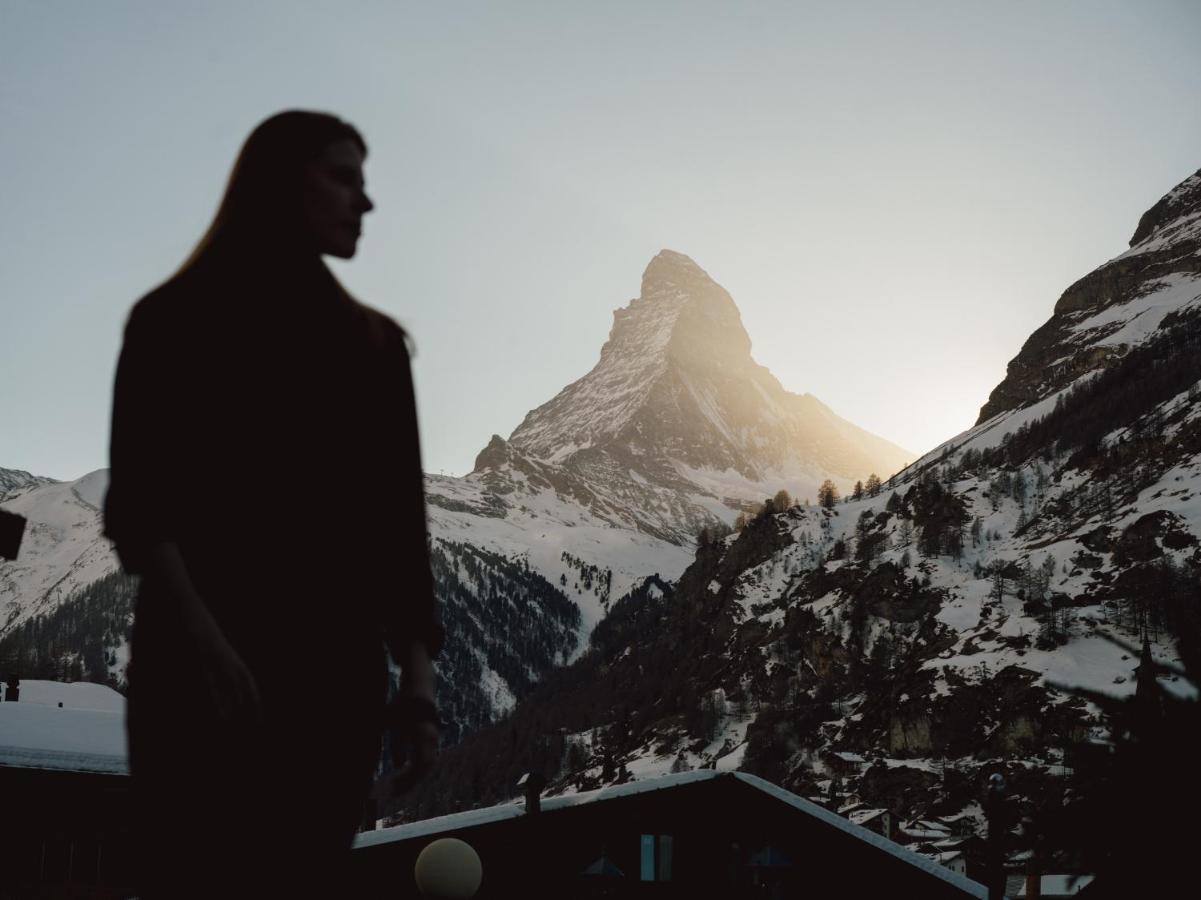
(448,869)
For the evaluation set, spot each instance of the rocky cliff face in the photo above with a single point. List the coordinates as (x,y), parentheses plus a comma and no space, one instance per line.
(1116,307)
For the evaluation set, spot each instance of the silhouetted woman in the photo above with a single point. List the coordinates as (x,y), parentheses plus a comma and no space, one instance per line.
(266,485)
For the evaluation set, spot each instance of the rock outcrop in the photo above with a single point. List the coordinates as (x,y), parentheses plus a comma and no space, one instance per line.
(1115,307)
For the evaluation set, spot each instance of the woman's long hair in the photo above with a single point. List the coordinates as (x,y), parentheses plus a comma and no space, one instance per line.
(260,212)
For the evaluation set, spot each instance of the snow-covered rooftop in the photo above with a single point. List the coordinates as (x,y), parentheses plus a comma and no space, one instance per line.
(87,734)
(473,818)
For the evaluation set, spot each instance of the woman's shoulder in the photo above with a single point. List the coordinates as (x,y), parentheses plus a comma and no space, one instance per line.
(166,307)
(383,330)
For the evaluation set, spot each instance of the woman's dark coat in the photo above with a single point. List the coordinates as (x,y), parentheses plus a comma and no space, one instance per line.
(266,424)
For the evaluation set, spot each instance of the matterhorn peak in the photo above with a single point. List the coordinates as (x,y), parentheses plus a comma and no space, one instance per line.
(676,392)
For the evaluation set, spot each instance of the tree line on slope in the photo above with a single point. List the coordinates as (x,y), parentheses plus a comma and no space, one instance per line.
(78,640)
(500,617)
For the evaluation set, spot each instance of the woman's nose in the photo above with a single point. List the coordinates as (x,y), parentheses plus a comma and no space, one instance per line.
(365,205)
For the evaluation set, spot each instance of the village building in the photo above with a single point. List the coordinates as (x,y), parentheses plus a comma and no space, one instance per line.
(844,763)
(874,819)
(692,834)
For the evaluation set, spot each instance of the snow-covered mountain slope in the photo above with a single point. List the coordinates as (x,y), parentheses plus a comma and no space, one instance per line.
(926,634)
(65,606)
(592,559)
(894,649)
(63,549)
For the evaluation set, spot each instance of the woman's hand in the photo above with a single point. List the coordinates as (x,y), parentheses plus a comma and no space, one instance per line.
(229,681)
(420,739)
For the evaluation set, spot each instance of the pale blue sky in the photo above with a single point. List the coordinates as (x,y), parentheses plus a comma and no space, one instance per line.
(894,194)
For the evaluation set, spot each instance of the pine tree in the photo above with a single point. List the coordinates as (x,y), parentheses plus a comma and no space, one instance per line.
(827,494)
(998,581)
(857,493)
(873,484)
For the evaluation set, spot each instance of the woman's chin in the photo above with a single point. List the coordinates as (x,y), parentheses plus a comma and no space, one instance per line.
(342,249)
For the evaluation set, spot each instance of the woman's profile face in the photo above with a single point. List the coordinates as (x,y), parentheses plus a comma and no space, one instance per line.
(334,200)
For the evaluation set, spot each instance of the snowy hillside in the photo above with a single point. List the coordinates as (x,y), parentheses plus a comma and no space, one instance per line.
(63,549)
(893,649)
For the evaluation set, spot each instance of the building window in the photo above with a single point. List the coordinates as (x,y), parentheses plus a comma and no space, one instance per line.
(655,858)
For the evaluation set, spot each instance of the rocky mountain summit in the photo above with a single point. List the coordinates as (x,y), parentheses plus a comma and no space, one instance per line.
(676,395)
(677,425)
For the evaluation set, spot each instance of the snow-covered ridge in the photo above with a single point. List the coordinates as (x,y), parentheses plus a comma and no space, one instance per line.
(12,480)
(1116,307)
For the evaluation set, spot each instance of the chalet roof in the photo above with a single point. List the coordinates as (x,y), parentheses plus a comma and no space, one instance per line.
(953,843)
(956,817)
(86,734)
(849,757)
(512,810)
(925,829)
(863,816)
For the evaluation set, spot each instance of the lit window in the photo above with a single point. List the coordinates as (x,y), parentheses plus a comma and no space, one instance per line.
(655,858)
(648,857)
